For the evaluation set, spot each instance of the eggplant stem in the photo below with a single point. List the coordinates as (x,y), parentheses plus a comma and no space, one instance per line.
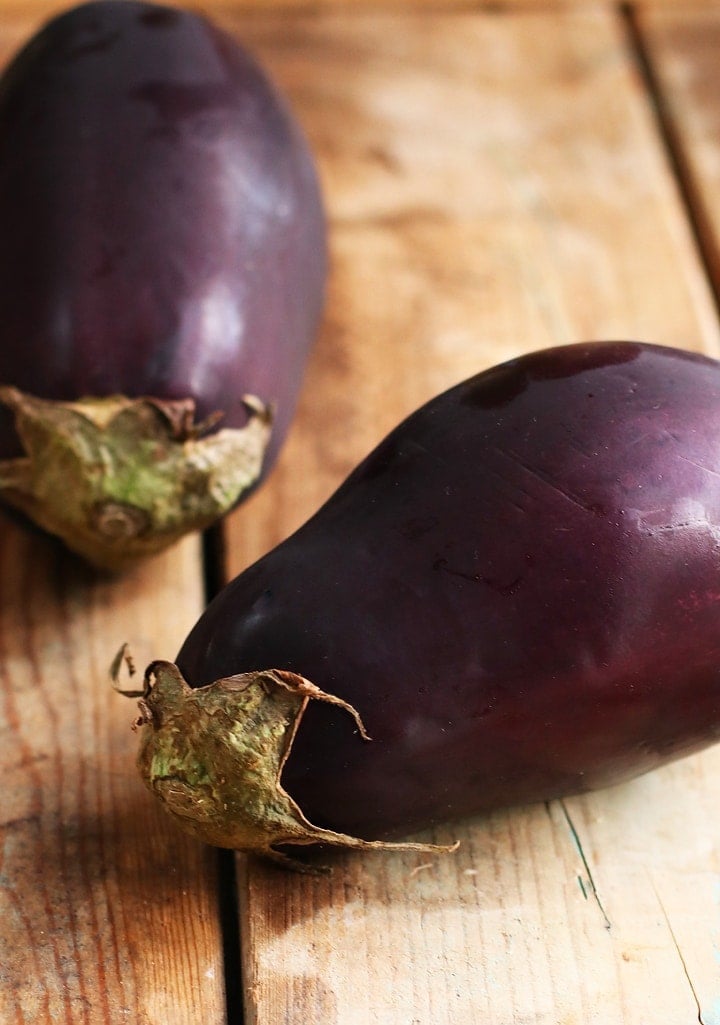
(214,756)
(120,479)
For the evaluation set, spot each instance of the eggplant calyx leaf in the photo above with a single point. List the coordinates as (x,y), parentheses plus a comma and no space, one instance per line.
(214,757)
(120,479)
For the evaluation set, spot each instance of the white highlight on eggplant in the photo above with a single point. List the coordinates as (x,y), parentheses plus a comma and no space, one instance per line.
(213,329)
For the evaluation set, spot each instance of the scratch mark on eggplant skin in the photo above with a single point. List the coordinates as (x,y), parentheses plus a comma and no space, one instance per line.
(579,848)
(506,590)
(544,478)
(700,466)
(676,944)
(665,528)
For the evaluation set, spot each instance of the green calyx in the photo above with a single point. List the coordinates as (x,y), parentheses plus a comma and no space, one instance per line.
(214,757)
(120,479)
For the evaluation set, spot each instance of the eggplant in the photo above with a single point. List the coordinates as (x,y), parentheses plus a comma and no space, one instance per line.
(516,595)
(162,275)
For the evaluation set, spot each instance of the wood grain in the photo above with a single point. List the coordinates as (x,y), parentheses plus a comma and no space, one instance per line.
(106,914)
(31,13)
(495,185)
(682,48)
(496,182)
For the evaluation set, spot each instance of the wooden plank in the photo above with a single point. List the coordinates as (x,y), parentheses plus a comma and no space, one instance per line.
(106,915)
(683,49)
(540,212)
(495,185)
(39,10)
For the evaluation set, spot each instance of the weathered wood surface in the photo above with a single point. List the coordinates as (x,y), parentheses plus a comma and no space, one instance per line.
(32,11)
(682,48)
(496,182)
(106,915)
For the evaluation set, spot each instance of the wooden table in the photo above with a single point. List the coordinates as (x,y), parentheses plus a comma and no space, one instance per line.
(499,179)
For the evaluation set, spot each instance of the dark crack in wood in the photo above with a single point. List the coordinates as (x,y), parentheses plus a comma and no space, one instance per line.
(683,962)
(579,848)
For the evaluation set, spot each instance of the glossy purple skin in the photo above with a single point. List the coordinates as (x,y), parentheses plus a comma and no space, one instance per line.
(519,590)
(161,226)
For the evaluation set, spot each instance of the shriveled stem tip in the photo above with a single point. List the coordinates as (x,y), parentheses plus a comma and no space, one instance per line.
(120,479)
(214,757)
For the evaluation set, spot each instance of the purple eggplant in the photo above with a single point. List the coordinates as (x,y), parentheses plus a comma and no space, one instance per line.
(162,272)
(516,595)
